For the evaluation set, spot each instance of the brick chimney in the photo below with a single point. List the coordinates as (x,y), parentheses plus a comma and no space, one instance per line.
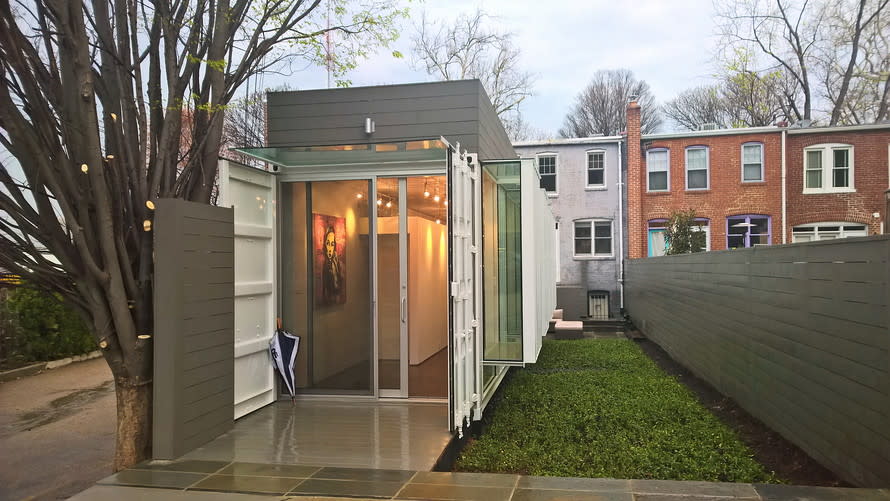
(636,236)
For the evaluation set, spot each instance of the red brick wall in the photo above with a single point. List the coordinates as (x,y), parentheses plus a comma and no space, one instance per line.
(727,195)
(870,179)
(636,247)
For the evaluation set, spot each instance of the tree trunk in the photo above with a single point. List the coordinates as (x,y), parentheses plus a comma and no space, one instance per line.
(133,439)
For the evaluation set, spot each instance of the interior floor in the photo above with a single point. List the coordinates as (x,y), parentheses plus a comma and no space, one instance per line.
(426,379)
(375,434)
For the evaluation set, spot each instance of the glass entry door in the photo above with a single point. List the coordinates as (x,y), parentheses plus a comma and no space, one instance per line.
(412,302)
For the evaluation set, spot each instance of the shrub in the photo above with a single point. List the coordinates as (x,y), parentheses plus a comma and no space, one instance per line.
(37,326)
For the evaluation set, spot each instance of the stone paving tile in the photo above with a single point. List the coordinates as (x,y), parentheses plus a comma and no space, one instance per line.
(333,473)
(188,465)
(250,485)
(119,493)
(269,470)
(151,478)
(718,489)
(686,497)
(323,487)
(468,479)
(771,492)
(569,495)
(573,483)
(454,492)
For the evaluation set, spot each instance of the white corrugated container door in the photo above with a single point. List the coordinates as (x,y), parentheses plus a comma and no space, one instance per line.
(252,193)
(466,235)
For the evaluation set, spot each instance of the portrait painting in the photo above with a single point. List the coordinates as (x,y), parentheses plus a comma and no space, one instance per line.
(329,245)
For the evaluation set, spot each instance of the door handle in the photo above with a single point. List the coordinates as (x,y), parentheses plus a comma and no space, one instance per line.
(403,308)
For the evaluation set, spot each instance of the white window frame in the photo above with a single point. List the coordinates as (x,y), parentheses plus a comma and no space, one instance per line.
(841,233)
(742,162)
(587,170)
(707,169)
(593,254)
(827,150)
(667,154)
(555,156)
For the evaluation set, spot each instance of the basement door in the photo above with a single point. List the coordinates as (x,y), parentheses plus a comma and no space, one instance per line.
(252,194)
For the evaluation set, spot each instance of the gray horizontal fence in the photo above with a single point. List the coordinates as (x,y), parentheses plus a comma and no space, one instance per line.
(194,289)
(798,335)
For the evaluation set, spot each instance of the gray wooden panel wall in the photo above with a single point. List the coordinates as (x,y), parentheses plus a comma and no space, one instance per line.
(194,289)
(799,335)
(457,110)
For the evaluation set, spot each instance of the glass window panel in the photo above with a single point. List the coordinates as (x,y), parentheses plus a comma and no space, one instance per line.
(801,237)
(657,245)
(697,158)
(759,240)
(595,177)
(341,299)
(814,160)
(502,262)
(814,179)
(841,158)
(548,182)
(736,241)
(855,227)
(658,181)
(761,225)
(751,153)
(752,172)
(841,178)
(603,229)
(582,230)
(657,161)
(582,246)
(603,246)
(698,179)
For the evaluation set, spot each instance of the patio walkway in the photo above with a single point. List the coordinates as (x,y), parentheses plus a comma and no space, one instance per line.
(402,435)
(192,479)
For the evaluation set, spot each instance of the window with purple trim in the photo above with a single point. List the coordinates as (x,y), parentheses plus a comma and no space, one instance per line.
(659,245)
(747,231)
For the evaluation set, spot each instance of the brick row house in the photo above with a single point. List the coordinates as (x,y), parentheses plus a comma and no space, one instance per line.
(756,186)
(748,186)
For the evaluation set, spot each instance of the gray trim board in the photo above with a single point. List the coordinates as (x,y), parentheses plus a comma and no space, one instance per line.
(458,110)
(194,289)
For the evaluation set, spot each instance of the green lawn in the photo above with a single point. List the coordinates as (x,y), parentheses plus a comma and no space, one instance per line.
(602,408)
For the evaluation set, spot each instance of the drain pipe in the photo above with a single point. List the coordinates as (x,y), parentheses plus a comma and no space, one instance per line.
(621,228)
(784,194)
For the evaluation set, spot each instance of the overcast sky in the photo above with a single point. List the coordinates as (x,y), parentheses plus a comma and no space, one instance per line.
(669,44)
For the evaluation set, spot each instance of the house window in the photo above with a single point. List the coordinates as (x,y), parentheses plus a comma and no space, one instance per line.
(659,245)
(827,231)
(547,170)
(596,169)
(697,168)
(657,169)
(593,238)
(747,231)
(752,162)
(828,168)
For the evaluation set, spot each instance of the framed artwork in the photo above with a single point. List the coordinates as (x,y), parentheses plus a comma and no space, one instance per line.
(329,265)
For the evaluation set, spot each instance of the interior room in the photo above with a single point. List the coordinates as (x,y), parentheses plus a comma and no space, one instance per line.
(326,262)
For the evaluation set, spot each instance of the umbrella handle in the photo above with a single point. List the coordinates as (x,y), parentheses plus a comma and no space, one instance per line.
(278,322)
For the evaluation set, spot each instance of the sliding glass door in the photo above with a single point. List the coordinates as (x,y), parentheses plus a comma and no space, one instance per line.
(412,307)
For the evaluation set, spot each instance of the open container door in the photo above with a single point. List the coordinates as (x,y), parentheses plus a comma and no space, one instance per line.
(252,193)
(464,265)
